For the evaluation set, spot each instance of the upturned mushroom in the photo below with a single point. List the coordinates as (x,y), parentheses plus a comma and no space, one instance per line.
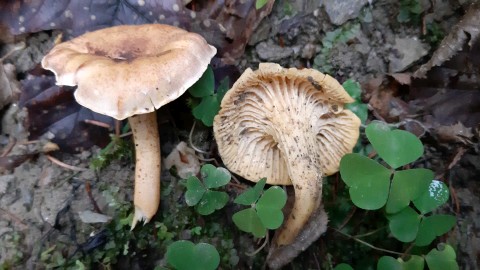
(290,126)
(129,71)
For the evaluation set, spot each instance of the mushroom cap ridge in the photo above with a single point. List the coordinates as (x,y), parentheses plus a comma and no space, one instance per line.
(130,69)
(273,99)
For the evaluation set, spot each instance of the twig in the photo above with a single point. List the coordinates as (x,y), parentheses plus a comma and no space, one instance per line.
(90,196)
(97,123)
(13,217)
(9,147)
(191,142)
(347,219)
(21,46)
(260,248)
(370,233)
(367,244)
(66,166)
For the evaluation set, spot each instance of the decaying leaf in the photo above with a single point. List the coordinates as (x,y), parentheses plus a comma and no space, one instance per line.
(466,31)
(184,160)
(53,111)
(456,133)
(227,25)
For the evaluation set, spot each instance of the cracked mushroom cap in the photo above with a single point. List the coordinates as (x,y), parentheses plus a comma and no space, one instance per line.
(263,114)
(130,69)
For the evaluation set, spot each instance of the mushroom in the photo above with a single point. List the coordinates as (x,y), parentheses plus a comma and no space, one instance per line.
(290,126)
(128,71)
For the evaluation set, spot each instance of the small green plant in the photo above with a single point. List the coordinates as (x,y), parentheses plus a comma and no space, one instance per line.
(265,210)
(410,10)
(331,39)
(209,105)
(185,255)
(409,195)
(201,195)
(357,107)
(118,148)
(434,34)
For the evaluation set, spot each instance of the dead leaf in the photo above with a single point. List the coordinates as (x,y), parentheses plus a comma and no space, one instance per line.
(52,110)
(227,24)
(402,78)
(385,102)
(456,133)
(184,160)
(465,32)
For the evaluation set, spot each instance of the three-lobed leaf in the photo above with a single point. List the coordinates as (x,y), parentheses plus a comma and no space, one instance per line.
(184,255)
(355,91)
(369,182)
(396,147)
(204,86)
(200,195)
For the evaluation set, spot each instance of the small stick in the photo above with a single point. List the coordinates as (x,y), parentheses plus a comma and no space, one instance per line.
(66,166)
(9,147)
(88,189)
(368,244)
(97,123)
(260,248)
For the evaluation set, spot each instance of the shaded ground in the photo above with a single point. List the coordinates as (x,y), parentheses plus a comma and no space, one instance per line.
(41,202)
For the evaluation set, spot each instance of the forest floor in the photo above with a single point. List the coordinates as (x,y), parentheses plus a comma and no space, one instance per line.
(49,212)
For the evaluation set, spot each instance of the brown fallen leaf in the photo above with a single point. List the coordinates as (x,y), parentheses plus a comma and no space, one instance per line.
(456,133)
(467,30)
(227,25)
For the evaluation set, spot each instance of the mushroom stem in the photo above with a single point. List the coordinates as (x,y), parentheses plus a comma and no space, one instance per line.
(306,176)
(147,166)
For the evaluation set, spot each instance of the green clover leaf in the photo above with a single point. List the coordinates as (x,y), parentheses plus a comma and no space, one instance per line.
(211,201)
(210,101)
(404,224)
(195,191)
(248,221)
(414,263)
(200,195)
(184,255)
(407,186)
(436,195)
(355,91)
(442,258)
(215,177)
(265,211)
(396,147)
(434,226)
(369,182)
(251,195)
(269,207)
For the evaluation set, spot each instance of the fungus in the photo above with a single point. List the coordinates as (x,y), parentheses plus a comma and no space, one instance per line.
(128,71)
(290,126)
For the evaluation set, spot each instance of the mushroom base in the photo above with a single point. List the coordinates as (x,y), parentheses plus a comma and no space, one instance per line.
(147,166)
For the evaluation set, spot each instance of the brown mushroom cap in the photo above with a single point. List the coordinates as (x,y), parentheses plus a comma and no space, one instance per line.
(130,69)
(264,105)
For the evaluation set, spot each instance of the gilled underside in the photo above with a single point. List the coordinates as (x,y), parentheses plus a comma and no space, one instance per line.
(285,128)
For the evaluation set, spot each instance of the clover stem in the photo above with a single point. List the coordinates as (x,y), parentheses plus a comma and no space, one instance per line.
(147,166)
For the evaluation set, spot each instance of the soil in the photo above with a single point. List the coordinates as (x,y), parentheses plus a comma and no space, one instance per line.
(41,203)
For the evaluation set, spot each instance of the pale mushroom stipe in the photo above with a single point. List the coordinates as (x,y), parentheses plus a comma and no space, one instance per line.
(290,126)
(129,71)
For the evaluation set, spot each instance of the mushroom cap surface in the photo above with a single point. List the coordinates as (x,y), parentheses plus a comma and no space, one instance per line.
(273,100)
(130,69)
